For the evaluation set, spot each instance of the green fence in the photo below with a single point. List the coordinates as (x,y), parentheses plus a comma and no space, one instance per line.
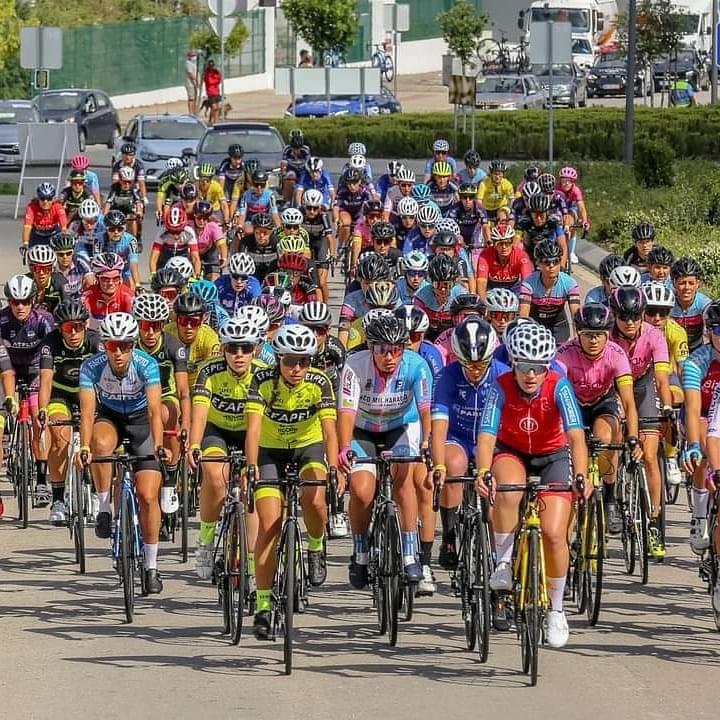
(423,24)
(137,56)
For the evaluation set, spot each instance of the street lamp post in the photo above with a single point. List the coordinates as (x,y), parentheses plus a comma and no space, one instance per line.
(630,84)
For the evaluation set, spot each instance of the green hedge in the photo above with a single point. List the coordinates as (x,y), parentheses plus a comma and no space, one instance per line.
(587,134)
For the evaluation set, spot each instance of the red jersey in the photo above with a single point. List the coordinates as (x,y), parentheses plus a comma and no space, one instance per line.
(507,274)
(43,220)
(212,79)
(99,306)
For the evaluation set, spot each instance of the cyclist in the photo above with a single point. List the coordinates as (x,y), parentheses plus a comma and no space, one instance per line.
(291,418)
(177,238)
(601,293)
(371,268)
(124,197)
(643,235)
(461,307)
(389,179)
(472,173)
(495,192)
(257,199)
(232,171)
(417,324)
(447,242)
(436,297)
(118,241)
(539,225)
(109,294)
(441,153)
(546,292)
(384,404)
(275,312)
(291,229)
(531,175)
(501,308)
(239,287)
(531,424)
(681,92)
(208,292)
(414,269)
(23,330)
(690,303)
(361,238)
(395,193)
(294,156)
(349,203)
(330,356)
(380,295)
(420,237)
(75,270)
(89,228)
(659,262)
(82,164)
(442,188)
(120,398)
(50,284)
(302,288)
(576,211)
(314,177)
(61,354)
(504,264)
(129,159)
(520,209)
(44,216)
(170,185)
(212,246)
(647,351)
(184,267)
(406,219)
(316,224)
(261,246)
(169,283)
(421,194)
(471,218)
(72,195)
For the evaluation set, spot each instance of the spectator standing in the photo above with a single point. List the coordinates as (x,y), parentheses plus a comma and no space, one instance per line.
(191,81)
(212,78)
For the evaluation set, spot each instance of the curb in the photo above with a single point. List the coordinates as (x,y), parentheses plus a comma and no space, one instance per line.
(590,255)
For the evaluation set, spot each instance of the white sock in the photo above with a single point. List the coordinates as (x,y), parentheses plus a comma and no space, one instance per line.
(700,502)
(150,552)
(556,589)
(361,558)
(104,500)
(504,547)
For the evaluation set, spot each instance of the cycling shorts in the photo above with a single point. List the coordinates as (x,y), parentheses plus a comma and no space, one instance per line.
(647,402)
(210,260)
(401,441)
(62,403)
(560,328)
(467,447)
(273,461)
(217,441)
(41,237)
(609,405)
(551,468)
(319,251)
(136,429)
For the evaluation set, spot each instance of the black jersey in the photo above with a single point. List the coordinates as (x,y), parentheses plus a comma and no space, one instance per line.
(65,362)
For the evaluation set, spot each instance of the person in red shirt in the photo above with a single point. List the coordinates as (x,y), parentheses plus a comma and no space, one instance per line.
(44,216)
(212,78)
(109,294)
(503,264)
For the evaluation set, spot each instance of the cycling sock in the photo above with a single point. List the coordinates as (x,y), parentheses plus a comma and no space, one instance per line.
(315,544)
(41,467)
(150,551)
(503,547)
(700,499)
(670,451)
(556,589)
(425,552)
(448,518)
(207,532)
(58,493)
(608,493)
(409,545)
(251,563)
(360,545)
(262,600)
(104,500)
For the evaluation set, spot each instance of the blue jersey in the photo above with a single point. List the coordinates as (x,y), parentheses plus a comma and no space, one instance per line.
(125,247)
(415,240)
(696,367)
(229,300)
(323,184)
(597,295)
(405,294)
(433,357)
(252,203)
(692,319)
(382,186)
(217,316)
(547,308)
(461,403)
(464,177)
(122,395)
(266,355)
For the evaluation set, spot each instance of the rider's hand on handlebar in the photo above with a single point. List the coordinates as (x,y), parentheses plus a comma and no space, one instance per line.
(83,458)
(344,460)
(635,448)
(193,457)
(692,457)
(485,483)
(10,405)
(42,417)
(586,225)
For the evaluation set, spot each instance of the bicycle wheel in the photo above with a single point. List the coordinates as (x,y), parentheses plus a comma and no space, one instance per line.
(235,559)
(530,639)
(594,553)
(388,69)
(481,588)
(24,470)
(375,569)
(125,552)
(641,527)
(407,599)
(464,576)
(183,478)
(78,511)
(580,564)
(671,491)
(287,594)
(627,497)
(392,566)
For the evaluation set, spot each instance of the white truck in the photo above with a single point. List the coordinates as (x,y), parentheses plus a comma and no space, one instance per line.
(697,23)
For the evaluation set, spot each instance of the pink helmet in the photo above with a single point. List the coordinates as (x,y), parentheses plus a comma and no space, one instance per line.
(568,173)
(107,263)
(80,162)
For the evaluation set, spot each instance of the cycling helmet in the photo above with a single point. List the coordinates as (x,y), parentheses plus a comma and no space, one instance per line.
(182,265)
(115,219)
(474,340)
(467,302)
(293,262)
(608,264)
(660,255)
(63,241)
(189,304)
(372,207)
(414,317)
(278,280)
(241,264)
(539,203)
(448,225)
(167,277)
(530,189)
(393,167)
(382,231)
(295,340)
(502,300)
(128,149)
(444,239)
(252,165)
(472,158)
(152,307)
(188,191)
(546,182)
(502,233)
(442,169)
(547,250)
(428,215)
(176,219)
(291,217)
(262,220)
(259,177)
(467,190)
(441,145)
(256,315)
(203,209)
(178,176)
(711,314)
(312,198)
(624,276)
(353,175)
(421,192)
(627,302)
(531,342)
(272,306)
(443,268)
(358,162)
(684,267)
(107,262)
(71,310)
(387,328)
(173,163)
(207,290)
(514,324)
(415,260)
(20,287)
(292,244)
(382,293)
(126,174)
(407,207)
(568,173)
(314,164)
(532,173)
(40,255)
(119,326)
(88,209)
(80,162)
(77,175)
(371,267)
(595,317)
(643,231)
(235,151)
(375,314)
(205,171)
(296,138)
(497,166)
(45,191)
(405,175)
(235,330)
(658,295)
(315,314)
(356,148)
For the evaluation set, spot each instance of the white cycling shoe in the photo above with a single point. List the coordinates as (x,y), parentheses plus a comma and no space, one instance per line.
(501,579)
(556,629)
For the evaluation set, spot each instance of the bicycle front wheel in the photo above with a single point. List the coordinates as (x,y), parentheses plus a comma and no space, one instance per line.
(183,478)
(628,500)
(392,566)
(464,577)
(25,469)
(235,572)
(594,552)
(389,69)
(77,512)
(481,588)
(287,593)
(126,555)
(641,526)
(531,611)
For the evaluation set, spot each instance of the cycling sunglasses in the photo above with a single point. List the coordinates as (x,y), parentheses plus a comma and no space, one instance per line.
(124,346)
(416,273)
(382,241)
(41,268)
(291,361)
(109,278)
(26,301)
(64,253)
(235,348)
(657,312)
(148,325)
(629,317)
(527,367)
(502,315)
(116,229)
(386,349)
(312,208)
(71,326)
(477,365)
(191,321)
(239,276)
(169,293)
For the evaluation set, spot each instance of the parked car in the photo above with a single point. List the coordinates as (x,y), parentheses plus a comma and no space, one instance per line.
(311,106)
(689,64)
(91,110)
(608,76)
(508,92)
(13,112)
(159,137)
(569,83)
(258,140)
(583,54)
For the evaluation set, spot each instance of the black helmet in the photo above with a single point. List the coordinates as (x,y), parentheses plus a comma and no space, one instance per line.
(372,206)
(608,264)
(685,266)
(467,302)
(547,250)
(188,191)
(203,209)
(259,177)
(643,231)
(167,277)
(539,203)
(353,175)
(64,240)
(189,304)
(547,182)
(382,231)
(262,220)
(443,268)
(594,316)
(444,238)
(387,329)
(660,255)
(235,151)
(532,173)
(128,149)
(297,139)
(497,166)
(711,314)
(472,158)
(467,190)
(474,340)
(372,267)
(252,165)
(115,219)
(627,302)
(71,310)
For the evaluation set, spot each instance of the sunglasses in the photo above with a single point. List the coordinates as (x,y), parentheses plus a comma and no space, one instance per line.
(550,263)
(124,346)
(191,321)
(291,361)
(382,241)
(657,312)
(148,325)
(629,318)
(116,229)
(27,301)
(477,365)
(234,348)
(529,367)
(72,326)
(63,253)
(169,293)
(385,349)
(416,273)
(239,276)
(311,208)
(501,315)
(42,268)
(427,226)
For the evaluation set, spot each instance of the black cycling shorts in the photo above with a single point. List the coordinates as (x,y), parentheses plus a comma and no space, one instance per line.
(210,260)
(647,401)
(135,429)
(319,250)
(221,439)
(609,405)
(553,468)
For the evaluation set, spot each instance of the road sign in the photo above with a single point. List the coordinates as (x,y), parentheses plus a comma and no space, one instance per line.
(41,47)
(396,16)
(541,43)
(228,23)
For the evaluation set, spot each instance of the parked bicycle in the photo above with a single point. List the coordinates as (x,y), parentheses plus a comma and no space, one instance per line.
(382,60)
(333,57)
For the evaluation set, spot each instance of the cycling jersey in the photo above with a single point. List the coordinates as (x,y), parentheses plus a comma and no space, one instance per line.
(701,372)
(547,304)
(168,191)
(323,184)
(92,183)
(677,343)
(126,395)
(136,165)
(352,202)
(295,158)
(87,239)
(383,403)
(632,257)
(22,341)
(54,292)
(551,229)
(232,177)
(124,200)
(99,306)
(468,220)
(171,357)
(71,200)
(170,244)
(230,300)
(429,164)
(415,240)
(572,196)
(330,359)
(209,237)
(215,194)
(492,196)
(126,247)
(252,203)
(354,306)
(531,424)
(439,315)
(291,414)
(445,197)
(65,362)
(74,275)
(464,177)
(392,198)
(205,346)
(265,256)
(45,222)
(646,352)
(692,319)
(597,295)
(433,357)
(406,294)
(506,272)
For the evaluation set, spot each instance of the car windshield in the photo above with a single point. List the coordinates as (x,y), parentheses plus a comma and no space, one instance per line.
(688,24)
(579,19)
(60,101)
(11,114)
(609,61)
(172,129)
(558,69)
(252,141)
(581,47)
(499,85)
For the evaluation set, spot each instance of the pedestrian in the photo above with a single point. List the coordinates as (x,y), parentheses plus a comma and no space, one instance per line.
(191,81)
(306,60)
(213,78)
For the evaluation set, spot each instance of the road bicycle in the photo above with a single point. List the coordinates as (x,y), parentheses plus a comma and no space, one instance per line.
(501,56)
(21,470)
(333,57)
(186,487)
(709,560)
(382,60)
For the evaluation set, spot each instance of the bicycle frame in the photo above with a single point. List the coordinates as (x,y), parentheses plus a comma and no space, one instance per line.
(127,490)
(530,522)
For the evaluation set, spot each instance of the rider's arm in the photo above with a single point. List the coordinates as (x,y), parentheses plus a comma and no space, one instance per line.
(572,424)
(87,415)
(182,383)
(662,380)
(627,399)
(198,421)
(578,452)
(252,437)
(154,401)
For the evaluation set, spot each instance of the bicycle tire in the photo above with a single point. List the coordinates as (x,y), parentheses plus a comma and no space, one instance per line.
(579,571)
(392,567)
(125,559)
(408,601)
(531,609)
(24,488)
(389,69)
(671,491)
(641,526)
(78,516)
(464,578)
(235,570)
(481,588)
(184,477)
(378,579)
(287,597)
(627,500)
(594,551)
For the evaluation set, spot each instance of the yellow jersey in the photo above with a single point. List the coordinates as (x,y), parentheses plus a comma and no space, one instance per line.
(205,346)
(677,342)
(356,335)
(215,195)
(492,196)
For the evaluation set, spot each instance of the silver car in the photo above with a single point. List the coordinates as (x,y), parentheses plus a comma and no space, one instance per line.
(508,92)
(569,83)
(13,112)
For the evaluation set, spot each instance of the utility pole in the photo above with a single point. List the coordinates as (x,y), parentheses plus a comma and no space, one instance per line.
(714,54)
(630,85)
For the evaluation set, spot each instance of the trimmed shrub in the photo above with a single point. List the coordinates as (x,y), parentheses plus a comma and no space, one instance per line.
(654,163)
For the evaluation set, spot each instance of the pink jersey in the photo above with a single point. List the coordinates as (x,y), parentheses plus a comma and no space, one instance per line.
(573,195)
(648,349)
(209,236)
(443,342)
(593,379)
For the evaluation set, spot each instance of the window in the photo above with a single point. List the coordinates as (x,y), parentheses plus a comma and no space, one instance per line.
(102,102)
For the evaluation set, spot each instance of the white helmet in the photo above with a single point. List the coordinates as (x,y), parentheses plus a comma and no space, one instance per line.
(415,260)
(119,326)
(312,198)
(254,314)
(624,276)
(658,295)
(88,209)
(407,207)
(126,173)
(291,216)
(531,342)
(502,232)
(182,265)
(441,145)
(414,317)
(237,330)
(150,306)
(405,175)
(448,225)
(173,163)
(358,162)
(41,254)
(375,314)
(20,287)
(294,340)
(241,264)
(357,148)
(315,313)
(428,214)
(502,300)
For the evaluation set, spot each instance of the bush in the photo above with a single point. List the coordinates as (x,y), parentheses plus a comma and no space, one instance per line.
(654,163)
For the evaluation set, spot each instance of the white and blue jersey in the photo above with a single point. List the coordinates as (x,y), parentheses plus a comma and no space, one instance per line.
(229,300)
(405,294)
(323,184)
(464,177)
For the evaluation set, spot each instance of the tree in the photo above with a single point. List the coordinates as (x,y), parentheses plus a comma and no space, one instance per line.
(461,27)
(207,42)
(325,24)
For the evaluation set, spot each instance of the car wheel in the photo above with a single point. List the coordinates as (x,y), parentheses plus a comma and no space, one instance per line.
(115,135)
(573,102)
(82,139)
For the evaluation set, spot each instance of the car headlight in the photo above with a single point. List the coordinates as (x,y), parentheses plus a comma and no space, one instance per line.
(148,156)
(508,106)
(340,112)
